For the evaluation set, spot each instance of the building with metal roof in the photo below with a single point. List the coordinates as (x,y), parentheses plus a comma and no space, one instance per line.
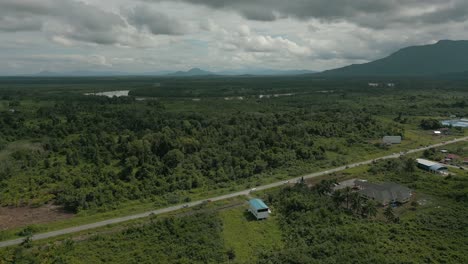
(384,193)
(431,166)
(259,209)
(391,140)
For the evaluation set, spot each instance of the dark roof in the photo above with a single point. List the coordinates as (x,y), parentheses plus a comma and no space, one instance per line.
(385,193)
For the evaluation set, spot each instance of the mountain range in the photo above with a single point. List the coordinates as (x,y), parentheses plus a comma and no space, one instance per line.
(442,58)
(447,58)
(190,73)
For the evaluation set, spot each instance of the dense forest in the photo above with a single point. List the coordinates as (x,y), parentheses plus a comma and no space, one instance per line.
(87,152)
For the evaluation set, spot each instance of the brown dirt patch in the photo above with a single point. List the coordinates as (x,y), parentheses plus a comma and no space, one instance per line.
(13,217)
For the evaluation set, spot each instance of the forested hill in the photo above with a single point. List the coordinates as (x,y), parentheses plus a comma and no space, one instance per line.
(444,57)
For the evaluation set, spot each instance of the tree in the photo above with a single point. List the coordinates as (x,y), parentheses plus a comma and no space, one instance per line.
(370,208)
(338,198)
(430,124)
(410,165)
(324,187)
(347,195)
(356,202)
(389,214)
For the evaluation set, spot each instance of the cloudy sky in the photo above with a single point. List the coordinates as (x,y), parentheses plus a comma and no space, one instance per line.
(153,35)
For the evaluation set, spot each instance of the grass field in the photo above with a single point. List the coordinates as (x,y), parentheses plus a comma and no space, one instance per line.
(248,237)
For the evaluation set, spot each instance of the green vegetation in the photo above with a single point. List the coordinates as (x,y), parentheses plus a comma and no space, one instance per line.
(431,229)
(194,239)
(308,226)
(247,237)
(101,157)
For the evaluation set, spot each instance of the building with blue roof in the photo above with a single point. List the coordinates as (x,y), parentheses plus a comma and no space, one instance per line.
(259,209)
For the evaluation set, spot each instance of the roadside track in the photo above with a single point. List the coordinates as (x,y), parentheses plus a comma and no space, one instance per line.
(213,199)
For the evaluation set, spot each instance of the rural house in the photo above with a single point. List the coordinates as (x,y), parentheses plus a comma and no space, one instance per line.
(259,209)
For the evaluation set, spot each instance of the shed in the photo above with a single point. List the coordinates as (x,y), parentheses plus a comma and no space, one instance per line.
(391,139)
(259,209)
(431,166)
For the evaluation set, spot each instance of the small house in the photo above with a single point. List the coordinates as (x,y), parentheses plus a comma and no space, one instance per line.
(451,157)
(389,140)
(259,209)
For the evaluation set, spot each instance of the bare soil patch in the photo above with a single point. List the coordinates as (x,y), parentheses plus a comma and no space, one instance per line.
(13,217)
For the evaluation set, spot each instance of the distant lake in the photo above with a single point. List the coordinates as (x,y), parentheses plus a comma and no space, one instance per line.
(111,93)
(456,123)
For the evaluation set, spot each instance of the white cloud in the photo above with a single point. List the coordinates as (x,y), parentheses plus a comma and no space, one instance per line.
(145,36)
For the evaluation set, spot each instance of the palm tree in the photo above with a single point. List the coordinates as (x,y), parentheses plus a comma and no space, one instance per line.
(347,194)
(389,214)
(356,204)
(370,208)
(338,198)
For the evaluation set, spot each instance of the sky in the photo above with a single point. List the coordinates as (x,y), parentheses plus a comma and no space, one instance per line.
(144,36)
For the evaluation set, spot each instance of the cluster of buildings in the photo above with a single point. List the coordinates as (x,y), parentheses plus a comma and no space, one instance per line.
(371,84)
(383,193)
(453,159)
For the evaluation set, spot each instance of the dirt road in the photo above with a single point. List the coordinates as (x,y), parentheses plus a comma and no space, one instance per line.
(218,198)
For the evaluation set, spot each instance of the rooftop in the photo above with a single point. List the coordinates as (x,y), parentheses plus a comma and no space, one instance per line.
(258,204)
(385,193)
(426,162)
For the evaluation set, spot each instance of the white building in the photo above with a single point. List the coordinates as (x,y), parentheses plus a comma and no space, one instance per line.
(259,209)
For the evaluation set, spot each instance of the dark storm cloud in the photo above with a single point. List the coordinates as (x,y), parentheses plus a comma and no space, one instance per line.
(158,23)
(368,13)
(85,22)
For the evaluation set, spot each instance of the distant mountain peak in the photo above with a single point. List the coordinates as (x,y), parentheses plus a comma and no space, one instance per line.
(192,72)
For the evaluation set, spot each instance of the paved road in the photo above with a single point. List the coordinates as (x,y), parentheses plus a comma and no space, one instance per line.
(218,198)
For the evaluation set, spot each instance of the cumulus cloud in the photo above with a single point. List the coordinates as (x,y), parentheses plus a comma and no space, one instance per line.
(246,40)
(146,35)
(82,22)
(144,17)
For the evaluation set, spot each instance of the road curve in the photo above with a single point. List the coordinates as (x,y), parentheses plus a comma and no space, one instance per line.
(218,198)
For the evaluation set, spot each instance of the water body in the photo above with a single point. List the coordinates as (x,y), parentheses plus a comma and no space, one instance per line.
(111,94)
(456,123)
